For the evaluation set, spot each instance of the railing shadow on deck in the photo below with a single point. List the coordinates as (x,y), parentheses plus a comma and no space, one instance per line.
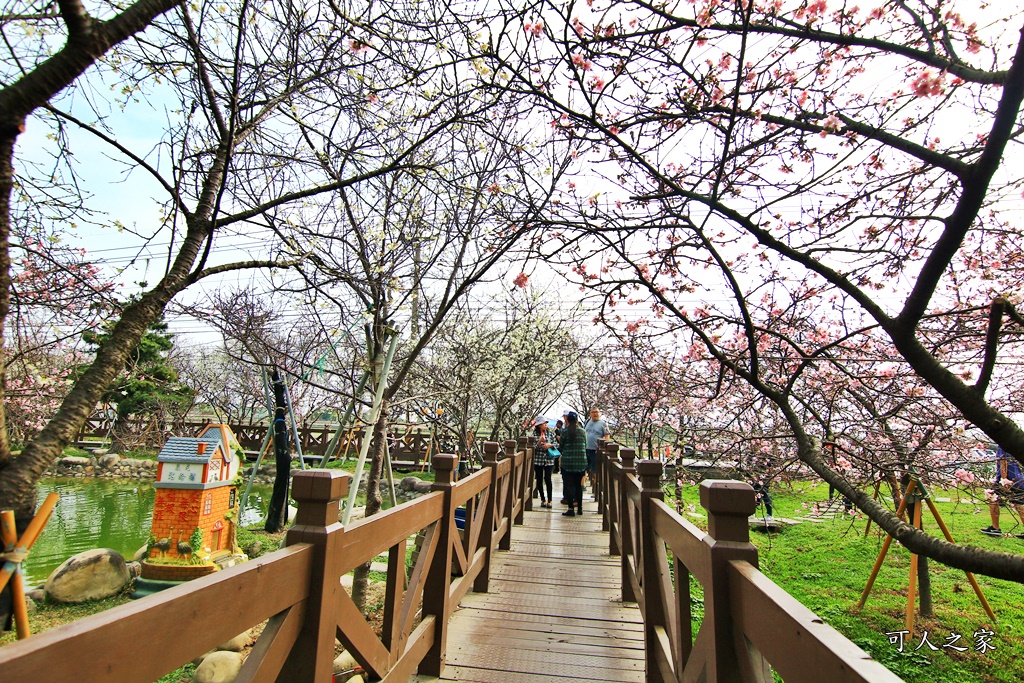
(750,625)
(298,589)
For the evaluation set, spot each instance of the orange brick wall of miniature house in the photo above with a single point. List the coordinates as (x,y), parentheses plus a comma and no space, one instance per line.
(177,513)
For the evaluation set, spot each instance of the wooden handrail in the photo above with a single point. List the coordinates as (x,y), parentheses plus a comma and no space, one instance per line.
(749,624)
(773,620)
(142,641)
(298,589)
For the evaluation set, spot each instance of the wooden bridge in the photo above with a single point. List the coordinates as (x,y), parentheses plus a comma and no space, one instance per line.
(517,595)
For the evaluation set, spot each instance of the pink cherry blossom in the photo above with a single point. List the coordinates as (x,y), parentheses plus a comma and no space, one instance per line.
(928,83)
(534,29)
(582,62)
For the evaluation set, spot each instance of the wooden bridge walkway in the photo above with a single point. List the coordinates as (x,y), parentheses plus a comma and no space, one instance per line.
(521,595)
(554,611)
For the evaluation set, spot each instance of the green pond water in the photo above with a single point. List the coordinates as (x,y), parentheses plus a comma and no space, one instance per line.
(103,513)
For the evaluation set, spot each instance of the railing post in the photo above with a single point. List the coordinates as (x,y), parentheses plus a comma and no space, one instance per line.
(510,501)
(625,523)
(729,504)
(653,562)
(482,581)
(611,453)
(436,600)
(318,494)
(531,480)
(525,489)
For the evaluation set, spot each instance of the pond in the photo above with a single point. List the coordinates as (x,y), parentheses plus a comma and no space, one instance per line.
(103,513)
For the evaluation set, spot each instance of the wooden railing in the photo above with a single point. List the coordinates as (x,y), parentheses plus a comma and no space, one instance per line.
(749,623)
(298,590)
(412,448)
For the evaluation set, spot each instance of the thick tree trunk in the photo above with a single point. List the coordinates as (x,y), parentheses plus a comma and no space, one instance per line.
(924,584)
(277,510)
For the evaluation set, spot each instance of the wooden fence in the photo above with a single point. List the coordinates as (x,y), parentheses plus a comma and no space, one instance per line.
(749,622)
(298,589)
(412,448)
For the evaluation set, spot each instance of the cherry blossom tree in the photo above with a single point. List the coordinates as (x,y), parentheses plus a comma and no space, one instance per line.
(494,368)
(267,108)
(786,183)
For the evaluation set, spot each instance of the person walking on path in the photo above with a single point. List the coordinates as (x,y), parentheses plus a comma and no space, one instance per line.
(596,429)
(1008,490)
(543,460)
(573,445)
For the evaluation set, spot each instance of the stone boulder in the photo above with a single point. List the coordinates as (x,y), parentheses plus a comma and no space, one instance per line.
(344,662)
(218,667)
(408,483)
(237,643)
(92,575)
(108,461)
(423,487)
(254,549)
(74,461)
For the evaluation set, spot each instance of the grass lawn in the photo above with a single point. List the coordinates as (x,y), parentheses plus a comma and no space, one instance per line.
(826,567)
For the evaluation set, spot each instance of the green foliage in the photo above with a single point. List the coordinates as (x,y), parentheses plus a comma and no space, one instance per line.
(196,541)
(149,383)
(141,453)
(180,675)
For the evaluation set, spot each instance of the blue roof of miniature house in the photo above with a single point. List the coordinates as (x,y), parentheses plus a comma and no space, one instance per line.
(186,448)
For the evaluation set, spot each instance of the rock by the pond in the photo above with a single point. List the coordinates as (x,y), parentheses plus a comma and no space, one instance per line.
(408,483)
(37,594)
(218,667)
(254,549)
(423,487)
(91,575)
(30,605)
(134,569)
(139,555)
(73,461)
(237,643)
(109,460)
(344,662)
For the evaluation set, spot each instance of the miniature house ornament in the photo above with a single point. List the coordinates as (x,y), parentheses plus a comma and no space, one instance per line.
(196,505)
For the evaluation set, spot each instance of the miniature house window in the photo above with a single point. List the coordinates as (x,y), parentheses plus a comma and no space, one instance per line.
(208,504)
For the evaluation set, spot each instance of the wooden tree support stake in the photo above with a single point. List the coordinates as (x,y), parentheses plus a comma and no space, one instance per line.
(912,585)
(11,570)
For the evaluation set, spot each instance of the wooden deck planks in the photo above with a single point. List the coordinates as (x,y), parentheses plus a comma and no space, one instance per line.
(553,611)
